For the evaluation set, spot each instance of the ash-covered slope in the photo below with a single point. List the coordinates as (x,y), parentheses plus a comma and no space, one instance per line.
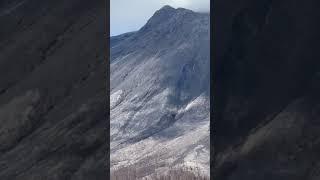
(160,92)
(52,90)
(267,115)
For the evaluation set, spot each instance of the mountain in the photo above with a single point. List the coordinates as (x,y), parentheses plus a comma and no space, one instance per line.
(53,90)
(266,89)
(160,93)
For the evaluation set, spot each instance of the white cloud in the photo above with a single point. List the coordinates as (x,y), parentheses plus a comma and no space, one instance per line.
(130,15)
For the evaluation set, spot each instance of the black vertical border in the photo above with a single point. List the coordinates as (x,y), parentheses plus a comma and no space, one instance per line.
(107,58)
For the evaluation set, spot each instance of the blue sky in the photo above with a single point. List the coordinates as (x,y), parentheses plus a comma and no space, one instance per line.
(131,15)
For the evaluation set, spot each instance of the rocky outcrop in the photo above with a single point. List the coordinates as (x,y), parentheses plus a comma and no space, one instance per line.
(53,90)
(266,88)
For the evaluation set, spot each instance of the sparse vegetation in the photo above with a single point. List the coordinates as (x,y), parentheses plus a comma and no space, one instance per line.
(131,173)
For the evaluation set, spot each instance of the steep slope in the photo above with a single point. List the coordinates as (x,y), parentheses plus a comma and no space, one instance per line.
(160,93)
(266,81)
(52,90)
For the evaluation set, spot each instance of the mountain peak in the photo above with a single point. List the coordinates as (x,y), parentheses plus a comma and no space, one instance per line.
(163,15)
(160,16)
(169,9)
(166,8)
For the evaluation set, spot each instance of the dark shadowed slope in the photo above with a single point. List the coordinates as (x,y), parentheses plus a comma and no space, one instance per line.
(52,90)
(267,116)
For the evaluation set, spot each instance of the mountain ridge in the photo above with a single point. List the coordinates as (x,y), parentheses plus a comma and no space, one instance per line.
(159,75)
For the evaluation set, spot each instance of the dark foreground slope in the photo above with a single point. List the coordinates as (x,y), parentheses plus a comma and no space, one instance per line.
(52,90)
(267,113)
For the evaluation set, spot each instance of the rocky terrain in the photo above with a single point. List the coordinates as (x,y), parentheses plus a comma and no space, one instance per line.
(160,97)
(266,89)
(53,90)
(53,102)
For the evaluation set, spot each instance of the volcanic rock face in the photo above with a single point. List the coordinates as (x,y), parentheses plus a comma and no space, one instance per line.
(52,90)
(160,93)
(266,80)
